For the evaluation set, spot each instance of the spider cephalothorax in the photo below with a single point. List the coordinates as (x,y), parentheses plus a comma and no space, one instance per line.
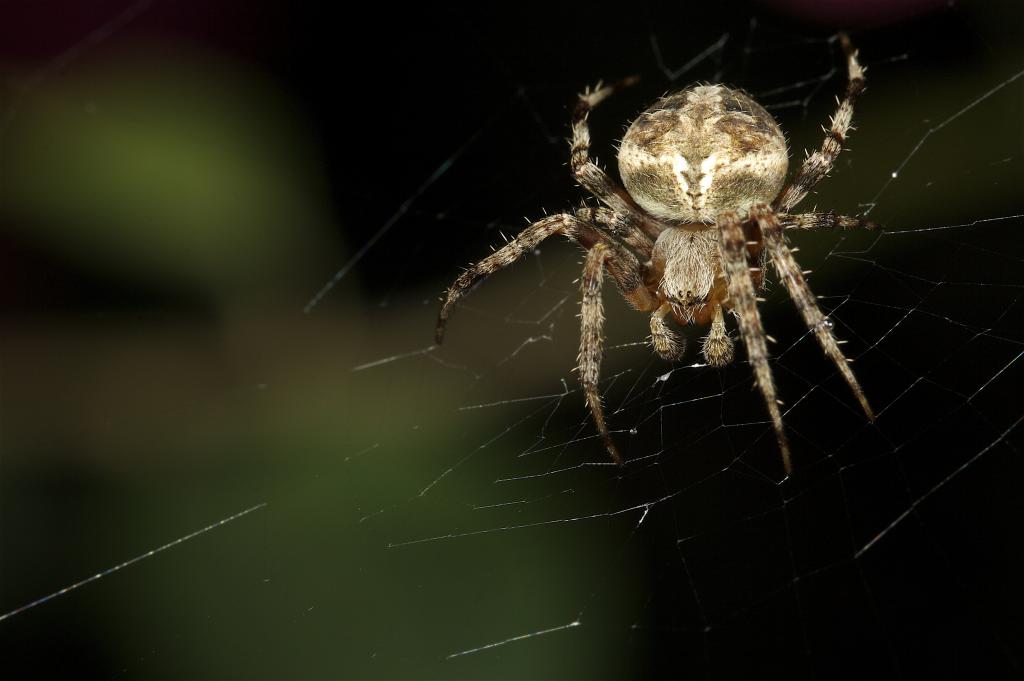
(703,210)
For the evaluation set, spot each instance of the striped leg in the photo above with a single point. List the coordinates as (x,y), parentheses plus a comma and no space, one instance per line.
(827,220)
(742,299)
(621,264)
(592,341)
(820,162)
(595,180)
(792,278)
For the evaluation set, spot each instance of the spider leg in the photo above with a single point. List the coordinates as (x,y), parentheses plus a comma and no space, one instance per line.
(619,225)
(597,181)
(827,220)
(621,264)
(791,276)
(592,340)
(818,164)
(666,343)
(733,250)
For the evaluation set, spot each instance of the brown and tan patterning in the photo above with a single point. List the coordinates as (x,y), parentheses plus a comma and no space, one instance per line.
(704,209)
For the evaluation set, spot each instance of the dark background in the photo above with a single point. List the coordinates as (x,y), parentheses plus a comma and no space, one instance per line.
(180,179)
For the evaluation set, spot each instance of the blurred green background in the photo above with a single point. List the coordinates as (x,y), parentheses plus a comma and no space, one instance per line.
(178,180)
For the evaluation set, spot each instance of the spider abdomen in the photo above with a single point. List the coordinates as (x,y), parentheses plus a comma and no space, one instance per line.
(702,151)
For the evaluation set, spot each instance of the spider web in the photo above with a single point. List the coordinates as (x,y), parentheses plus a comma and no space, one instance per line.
(450,512)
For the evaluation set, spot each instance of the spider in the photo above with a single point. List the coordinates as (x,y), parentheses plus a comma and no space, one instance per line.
(705,206)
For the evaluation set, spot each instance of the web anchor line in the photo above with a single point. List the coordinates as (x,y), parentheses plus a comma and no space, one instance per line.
(120,566)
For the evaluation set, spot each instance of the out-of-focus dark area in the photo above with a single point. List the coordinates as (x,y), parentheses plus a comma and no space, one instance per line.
(181,179)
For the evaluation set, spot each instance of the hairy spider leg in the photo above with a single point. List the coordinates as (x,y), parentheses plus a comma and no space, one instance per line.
(597,181)
(793,279)
(824,220)
(592,340)
(742,299)
(818,164)
(620,226)
(620,263)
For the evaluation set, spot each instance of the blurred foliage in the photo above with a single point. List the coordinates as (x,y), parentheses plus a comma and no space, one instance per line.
(168,165)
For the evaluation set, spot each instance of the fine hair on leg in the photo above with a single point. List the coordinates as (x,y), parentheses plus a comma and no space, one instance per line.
(622,264)
(796,285)
(592,341)
(819,162)
(743,301)
(593,178)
